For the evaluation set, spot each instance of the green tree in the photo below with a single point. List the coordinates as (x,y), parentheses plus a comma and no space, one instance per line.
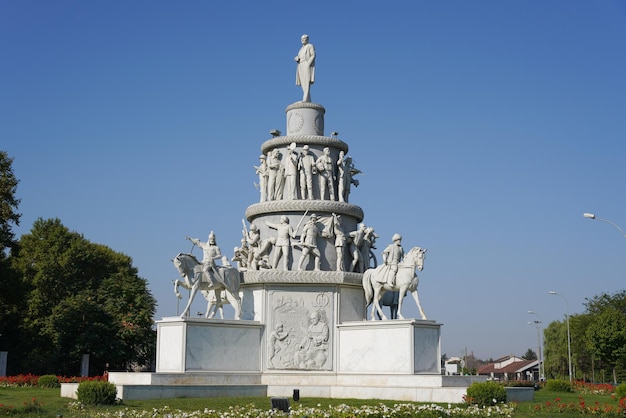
(555,350)
(8,203)
(82,298)
(12,290)
(530,355)
(606,338)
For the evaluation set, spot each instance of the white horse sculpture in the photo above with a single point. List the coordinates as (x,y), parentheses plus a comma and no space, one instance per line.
(189,267)
(406,281)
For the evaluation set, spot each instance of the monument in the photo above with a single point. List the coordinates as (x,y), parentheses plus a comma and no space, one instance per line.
(306,272)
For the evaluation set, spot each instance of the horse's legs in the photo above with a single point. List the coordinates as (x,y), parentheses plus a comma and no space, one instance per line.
(377,308)
(192,294)
(394,311)
(235,301)
(401,294)
(419,305)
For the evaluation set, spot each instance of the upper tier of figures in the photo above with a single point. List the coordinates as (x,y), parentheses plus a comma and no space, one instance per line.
(291,175)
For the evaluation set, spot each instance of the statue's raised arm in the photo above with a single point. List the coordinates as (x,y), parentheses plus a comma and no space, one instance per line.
(305,72)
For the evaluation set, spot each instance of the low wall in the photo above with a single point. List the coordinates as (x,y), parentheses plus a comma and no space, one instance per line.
(520,394)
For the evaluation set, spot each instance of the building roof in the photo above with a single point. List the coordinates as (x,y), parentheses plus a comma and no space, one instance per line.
(508,364)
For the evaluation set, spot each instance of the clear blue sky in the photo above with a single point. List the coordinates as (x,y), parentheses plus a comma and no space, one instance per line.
(485,129)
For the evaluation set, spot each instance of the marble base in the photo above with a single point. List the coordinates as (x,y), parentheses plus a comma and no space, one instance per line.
(208,345)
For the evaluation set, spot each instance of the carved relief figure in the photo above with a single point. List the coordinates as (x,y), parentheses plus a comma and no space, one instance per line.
(308,242)
(307,169)
(283,241)
(291,172)
(326,171)
(253,239)
(305,71)
(276,337)
(262,171)
(313,349)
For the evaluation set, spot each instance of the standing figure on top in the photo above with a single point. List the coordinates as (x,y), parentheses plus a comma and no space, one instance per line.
(291,173)
(210,253)
(392,256)
(307,169)
(326,171)
(305,72)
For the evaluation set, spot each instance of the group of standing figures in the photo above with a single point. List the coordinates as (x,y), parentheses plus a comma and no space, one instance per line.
(292,176)
(254,252)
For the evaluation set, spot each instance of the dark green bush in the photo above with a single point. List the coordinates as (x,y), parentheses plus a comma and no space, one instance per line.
(485,393)
(48,381)
(555,385)
(620,390)
(96,393)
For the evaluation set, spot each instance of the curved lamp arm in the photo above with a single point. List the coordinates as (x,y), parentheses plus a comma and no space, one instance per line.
(592,216)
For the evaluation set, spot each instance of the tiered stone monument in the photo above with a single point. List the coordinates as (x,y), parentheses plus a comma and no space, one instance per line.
(306,271)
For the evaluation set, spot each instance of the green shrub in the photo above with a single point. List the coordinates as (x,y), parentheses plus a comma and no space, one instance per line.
(96,393)
(48,381)
(555,385)
(485,393)
(620,390)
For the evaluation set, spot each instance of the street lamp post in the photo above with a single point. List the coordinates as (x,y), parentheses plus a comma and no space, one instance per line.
(538,324)
(593,216)
(569,341)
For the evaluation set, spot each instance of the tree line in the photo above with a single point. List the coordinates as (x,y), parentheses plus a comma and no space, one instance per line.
(597,339)
(63,296)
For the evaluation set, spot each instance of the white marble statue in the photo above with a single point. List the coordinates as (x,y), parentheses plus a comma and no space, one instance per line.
(375,282)
(210,252)
(340,241)
(305,71)
(282,245)
(392,256)
(274,177)
(196,279)
(308,242)
(308,170)
(345,176)
(356,242)
(291,173)
(326,174)
(263,174)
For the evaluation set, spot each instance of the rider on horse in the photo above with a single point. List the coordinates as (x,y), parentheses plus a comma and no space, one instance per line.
(210,253)
(392,255)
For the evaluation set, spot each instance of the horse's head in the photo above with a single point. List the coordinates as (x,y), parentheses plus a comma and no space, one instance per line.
(178,263)
(416,257)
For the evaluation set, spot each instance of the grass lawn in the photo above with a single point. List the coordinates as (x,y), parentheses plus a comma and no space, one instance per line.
(40,402)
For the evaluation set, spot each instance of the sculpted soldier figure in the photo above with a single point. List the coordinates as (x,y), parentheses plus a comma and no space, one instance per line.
(253,239)
(345,173)
(305,72)
(210,253)
(325,168)
(262,171)
(308,242)
(340,241)
(392,255)
(356,242)
(273,169)
(291,172)
(283,241)
(307,169)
